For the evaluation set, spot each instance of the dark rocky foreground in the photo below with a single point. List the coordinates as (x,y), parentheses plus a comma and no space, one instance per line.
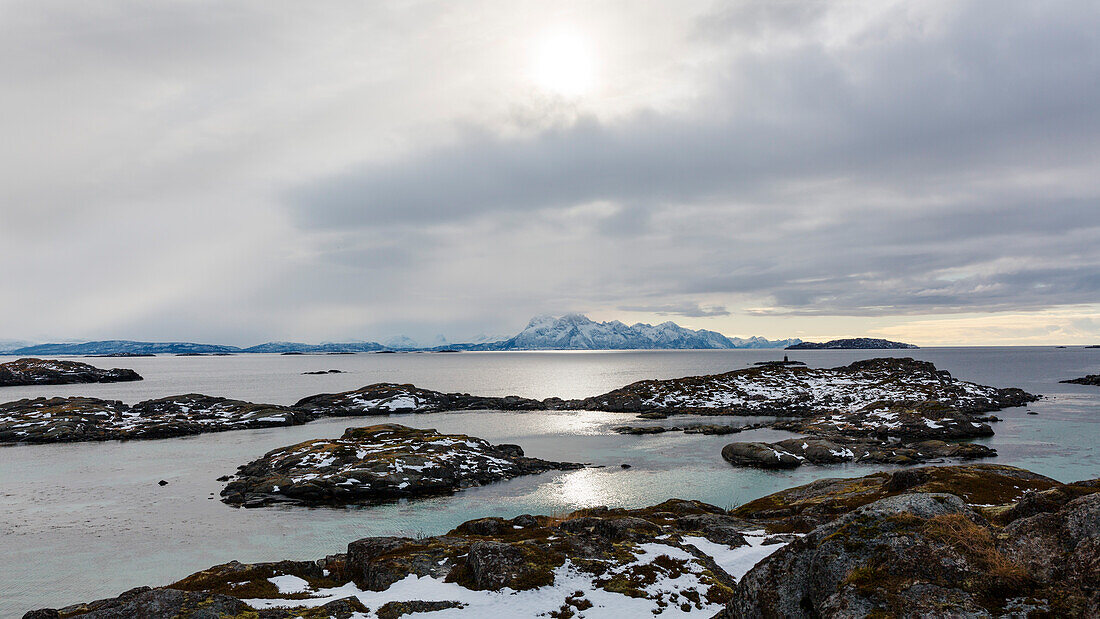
(378,462)
(30,371)
(874,399)
(1091,379)
(974,541)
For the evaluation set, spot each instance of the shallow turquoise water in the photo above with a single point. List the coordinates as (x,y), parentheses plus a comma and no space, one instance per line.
(88,520)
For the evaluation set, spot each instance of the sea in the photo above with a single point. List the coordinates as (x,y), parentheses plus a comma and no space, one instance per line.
(89,520)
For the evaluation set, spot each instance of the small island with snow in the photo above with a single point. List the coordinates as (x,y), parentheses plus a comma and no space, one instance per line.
(385,461)
(853,343)
(31,371)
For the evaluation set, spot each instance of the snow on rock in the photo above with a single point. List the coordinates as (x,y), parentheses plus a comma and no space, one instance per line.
(801,391)
(375,462)
(31,371)
(54,420)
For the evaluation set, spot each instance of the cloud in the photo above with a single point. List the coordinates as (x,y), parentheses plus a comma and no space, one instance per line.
(905,160)
(691,310)
(185,171)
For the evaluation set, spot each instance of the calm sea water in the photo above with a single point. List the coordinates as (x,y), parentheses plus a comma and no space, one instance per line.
(89,520)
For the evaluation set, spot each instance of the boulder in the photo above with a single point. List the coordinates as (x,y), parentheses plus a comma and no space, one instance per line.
(760,455)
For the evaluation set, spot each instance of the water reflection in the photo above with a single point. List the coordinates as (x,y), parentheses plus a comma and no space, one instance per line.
(66,507)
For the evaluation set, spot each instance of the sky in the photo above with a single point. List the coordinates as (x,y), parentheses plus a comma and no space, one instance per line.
(242,171)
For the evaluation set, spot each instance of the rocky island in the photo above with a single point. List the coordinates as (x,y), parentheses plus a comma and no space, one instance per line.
(1091,379)
(799,391)
(895,411)
(386,398)
(65,420)
(885,400)
(975,540)
(853,343)
(31,371)
(384,461)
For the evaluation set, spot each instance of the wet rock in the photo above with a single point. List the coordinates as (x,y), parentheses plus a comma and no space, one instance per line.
(31,371)
(378,462)
(760,455)
(643,429)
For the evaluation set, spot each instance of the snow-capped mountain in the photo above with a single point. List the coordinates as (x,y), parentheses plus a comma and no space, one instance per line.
(401,342)
(569,332)
(578,332)
(128,347)
(10,345)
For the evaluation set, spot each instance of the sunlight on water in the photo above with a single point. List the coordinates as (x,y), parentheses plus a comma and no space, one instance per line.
(66,507)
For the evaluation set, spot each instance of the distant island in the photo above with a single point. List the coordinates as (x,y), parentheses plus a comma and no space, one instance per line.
(854,343)
(1091,379)
(31,371)
(568,332)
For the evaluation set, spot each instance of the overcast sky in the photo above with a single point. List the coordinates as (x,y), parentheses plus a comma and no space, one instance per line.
(236,172)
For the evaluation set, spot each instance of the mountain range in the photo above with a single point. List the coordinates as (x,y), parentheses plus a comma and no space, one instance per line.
(578,332)
(568,332)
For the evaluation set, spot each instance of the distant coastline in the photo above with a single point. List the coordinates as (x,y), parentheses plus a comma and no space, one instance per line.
(568,332)
(855,343)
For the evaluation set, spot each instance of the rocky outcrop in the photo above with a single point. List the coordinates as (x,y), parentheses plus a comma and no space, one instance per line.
(795,452)
(885,398)
(977,540)
(854,343)
(874,434)
(670,557)
(922,553)
(378,462)
(896,411)
(62,420)
(31,371)
(899,421)
(387,398)
(797,391)
(697,428)
(1091,379)
(760,455)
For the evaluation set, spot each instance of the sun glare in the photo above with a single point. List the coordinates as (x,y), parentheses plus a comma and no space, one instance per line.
(563,63)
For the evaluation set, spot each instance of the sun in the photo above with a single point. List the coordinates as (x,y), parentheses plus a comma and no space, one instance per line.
(563,63)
